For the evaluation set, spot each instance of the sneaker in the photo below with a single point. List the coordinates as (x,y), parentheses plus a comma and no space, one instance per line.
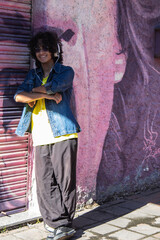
(51,236)
(61,233)
(48,228)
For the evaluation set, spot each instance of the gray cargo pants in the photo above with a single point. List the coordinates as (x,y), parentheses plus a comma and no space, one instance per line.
(56,181)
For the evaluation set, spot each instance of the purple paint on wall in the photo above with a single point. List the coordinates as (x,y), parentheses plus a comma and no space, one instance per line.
(125,156)
(131,150)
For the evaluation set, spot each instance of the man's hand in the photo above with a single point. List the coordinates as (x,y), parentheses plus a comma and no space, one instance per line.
(31,104)
(56,97)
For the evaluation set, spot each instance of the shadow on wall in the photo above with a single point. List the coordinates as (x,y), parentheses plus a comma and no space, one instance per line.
(131,152)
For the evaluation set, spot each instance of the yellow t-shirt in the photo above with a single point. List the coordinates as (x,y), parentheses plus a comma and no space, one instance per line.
(41,130)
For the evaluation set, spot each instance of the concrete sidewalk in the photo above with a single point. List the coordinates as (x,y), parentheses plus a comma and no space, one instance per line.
(133,218)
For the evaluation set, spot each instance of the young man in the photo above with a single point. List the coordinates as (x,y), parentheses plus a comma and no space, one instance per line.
(47,115)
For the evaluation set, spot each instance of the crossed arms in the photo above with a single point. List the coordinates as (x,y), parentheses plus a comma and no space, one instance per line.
(36,94)
(50,90)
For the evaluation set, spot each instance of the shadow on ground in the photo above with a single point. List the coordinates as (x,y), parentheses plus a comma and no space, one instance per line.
(134,210)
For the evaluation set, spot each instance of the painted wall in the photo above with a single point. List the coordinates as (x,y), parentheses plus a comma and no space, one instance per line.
(91,52)
(107,163)
(131,152)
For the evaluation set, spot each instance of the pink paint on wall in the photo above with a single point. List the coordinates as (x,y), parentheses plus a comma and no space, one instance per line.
(92,54)
(118,151)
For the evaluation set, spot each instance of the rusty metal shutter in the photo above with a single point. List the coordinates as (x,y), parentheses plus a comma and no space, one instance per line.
(15,31)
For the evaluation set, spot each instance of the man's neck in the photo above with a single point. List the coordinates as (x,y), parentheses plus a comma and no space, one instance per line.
(47,67)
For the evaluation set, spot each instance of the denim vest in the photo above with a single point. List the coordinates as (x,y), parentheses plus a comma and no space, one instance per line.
(60,115)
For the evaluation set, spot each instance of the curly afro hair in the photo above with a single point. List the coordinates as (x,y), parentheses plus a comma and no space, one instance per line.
(47,39)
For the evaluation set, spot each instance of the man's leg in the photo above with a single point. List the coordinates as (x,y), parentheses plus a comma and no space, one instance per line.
(64,156)
(56,182)
(48,193)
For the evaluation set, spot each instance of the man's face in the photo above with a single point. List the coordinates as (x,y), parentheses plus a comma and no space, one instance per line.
(42,52)
(43,55)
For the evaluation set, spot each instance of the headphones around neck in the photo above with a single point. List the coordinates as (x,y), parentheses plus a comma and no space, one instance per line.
(58,52)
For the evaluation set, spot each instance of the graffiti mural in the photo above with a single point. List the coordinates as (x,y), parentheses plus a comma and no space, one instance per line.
(119,143)
(131,151)
(90,52)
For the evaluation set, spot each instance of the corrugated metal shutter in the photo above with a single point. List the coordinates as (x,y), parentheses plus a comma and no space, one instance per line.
(15,31)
